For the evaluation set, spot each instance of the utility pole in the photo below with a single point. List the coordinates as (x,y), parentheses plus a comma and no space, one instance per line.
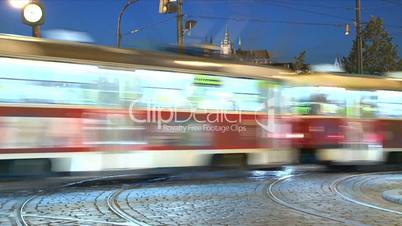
(359,51)
(180,29)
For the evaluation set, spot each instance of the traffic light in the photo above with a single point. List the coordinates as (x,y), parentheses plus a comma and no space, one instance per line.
(167,6)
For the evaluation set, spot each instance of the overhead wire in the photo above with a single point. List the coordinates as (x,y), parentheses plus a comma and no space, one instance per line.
(260,20)
(285,4)
(393,2)
(309,11)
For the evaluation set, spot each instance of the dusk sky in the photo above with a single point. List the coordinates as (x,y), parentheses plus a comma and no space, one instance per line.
(283,27)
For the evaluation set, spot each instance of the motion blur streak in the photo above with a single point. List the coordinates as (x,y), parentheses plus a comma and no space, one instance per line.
(76,107)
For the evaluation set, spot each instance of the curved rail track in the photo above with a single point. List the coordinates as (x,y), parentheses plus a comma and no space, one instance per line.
(283,203)
(112,204)
(340,198)
(336,183)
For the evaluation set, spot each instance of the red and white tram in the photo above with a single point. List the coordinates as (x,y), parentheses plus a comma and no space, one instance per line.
(81,107)
(347,119)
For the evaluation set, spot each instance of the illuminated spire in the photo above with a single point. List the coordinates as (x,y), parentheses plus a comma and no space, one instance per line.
(227,36)
(226,43)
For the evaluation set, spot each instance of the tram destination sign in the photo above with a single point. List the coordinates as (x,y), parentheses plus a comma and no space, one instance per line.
(207,80)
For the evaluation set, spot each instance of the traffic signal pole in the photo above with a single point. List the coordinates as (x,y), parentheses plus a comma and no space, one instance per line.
(359,44)
(180,28)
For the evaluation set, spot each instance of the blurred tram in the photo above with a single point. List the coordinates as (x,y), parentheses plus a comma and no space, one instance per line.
(346,119)
(77,107)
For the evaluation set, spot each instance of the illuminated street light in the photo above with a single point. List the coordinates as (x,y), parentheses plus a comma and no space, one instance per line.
(18,4)
(347,29)
(32,14)
(135,31)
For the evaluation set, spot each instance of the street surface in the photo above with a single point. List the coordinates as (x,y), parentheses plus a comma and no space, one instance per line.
(283,197)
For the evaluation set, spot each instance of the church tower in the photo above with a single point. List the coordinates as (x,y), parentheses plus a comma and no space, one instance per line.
(226,44)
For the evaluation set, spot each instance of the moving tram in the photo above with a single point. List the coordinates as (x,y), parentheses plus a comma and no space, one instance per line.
(78,107)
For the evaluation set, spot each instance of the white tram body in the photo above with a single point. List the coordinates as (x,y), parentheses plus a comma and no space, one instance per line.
(88,108)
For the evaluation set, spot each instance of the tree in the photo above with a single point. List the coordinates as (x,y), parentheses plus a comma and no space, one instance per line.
(299,64)
(379,53)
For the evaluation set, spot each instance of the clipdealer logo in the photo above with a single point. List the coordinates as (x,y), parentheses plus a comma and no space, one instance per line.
(174,120)
(268,123)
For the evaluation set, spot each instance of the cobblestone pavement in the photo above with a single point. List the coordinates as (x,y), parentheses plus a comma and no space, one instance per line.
(304,199)
(315,193)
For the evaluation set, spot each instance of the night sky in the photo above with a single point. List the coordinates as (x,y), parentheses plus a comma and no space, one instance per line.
(284,27)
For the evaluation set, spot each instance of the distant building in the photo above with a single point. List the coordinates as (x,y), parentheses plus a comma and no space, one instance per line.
(226,44)
(254,56)
(227,48)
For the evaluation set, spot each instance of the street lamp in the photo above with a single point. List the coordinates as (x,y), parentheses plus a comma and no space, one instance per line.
(165,7)
(123,10)
(32,13)
(347,29)
(133,31)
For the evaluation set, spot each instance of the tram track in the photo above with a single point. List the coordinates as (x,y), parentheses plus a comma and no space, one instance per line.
(112,204)
(289,198)
(20,220)
(25,215)
(334,188)
(271,195)
(283,191)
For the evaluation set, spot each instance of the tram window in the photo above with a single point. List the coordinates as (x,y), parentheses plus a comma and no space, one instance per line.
(370,104)
(232,94)
(315,100)
(215,98)
(44,92)
(389,104)
(45,82)
(247,95)
(367,104)
(108,91)
(249,101)
(193,91)
(162,89)
(162,97)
